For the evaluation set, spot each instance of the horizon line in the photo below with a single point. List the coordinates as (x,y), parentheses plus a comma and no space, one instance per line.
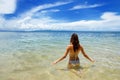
(59,30)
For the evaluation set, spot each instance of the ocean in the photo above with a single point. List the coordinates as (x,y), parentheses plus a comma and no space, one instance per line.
(28,55)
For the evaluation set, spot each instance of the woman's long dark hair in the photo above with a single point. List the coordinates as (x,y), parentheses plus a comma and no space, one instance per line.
(75,42)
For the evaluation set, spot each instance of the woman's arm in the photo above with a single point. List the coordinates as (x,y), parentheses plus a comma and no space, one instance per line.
(64,56)
(85,55)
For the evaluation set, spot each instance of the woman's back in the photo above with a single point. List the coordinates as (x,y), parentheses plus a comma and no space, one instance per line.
(73,55)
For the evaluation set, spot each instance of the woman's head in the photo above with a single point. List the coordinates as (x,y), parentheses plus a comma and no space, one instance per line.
(75,41)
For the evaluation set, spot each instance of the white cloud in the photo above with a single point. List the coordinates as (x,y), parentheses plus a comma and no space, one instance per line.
(51,10)
(44,6)
(110,16)
(40,11)
(2,21)
(85,6)
(109,21)
(7,6)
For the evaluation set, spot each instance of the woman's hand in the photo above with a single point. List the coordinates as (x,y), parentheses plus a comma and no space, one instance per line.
(54,62)
(93,60)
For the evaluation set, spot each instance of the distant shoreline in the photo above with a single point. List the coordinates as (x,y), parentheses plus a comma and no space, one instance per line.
(57,31)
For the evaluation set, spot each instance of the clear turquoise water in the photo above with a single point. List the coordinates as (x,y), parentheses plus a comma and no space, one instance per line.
(28,56)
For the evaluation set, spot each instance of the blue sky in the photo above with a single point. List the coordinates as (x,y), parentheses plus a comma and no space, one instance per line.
(81,15)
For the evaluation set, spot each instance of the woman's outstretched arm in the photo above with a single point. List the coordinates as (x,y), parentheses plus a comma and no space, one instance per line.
(64,56)
(85,55)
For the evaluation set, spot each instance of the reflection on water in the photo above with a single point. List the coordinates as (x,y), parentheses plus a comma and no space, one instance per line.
(28,56)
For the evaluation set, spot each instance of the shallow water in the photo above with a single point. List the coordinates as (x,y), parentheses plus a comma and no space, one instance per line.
(28,56)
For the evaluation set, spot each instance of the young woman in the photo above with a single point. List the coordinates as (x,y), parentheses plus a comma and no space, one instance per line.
(73,50)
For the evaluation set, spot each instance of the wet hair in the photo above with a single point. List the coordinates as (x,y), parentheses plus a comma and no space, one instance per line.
(75,41)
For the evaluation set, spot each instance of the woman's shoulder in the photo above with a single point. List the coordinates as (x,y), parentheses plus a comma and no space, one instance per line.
(80,47)
(69,46)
